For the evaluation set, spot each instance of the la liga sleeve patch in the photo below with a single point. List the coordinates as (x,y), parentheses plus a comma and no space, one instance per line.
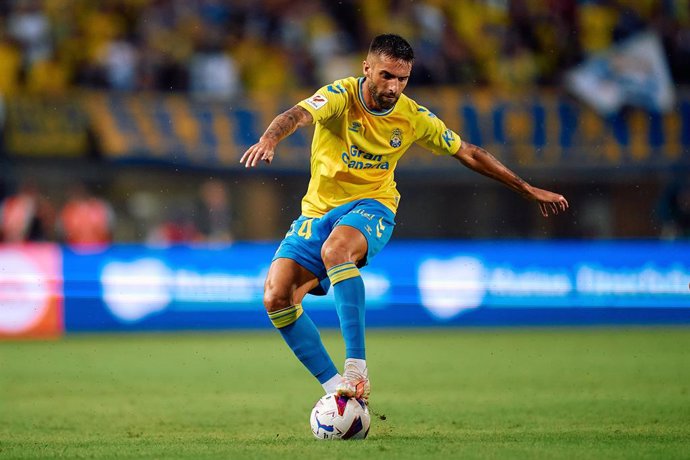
(317,101)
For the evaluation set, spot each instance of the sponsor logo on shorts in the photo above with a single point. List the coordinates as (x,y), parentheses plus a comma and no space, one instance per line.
(363,213)
(380,228)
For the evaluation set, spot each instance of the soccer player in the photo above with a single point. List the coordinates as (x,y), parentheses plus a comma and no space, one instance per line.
(363,126)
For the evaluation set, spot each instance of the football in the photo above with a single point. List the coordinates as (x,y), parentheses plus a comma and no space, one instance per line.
(338,417)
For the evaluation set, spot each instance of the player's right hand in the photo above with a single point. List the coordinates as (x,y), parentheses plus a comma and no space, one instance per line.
(261,151)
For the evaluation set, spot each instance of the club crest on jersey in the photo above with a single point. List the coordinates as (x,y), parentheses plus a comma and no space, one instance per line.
(396,138)
(317,101)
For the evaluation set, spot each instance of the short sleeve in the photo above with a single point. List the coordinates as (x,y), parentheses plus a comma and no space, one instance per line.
(434,135)
(328,102)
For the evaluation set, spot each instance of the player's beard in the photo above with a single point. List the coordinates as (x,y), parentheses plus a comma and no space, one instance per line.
(382,102)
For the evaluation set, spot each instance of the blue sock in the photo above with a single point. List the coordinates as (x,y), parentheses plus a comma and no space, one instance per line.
(348,289)
(302,336)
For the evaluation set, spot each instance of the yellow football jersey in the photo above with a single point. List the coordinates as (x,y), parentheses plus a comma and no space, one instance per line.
(355,149)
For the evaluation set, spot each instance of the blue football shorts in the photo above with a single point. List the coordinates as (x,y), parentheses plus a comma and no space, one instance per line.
(302,243)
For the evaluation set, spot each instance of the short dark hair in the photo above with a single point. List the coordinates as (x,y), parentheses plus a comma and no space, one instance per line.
(392,46)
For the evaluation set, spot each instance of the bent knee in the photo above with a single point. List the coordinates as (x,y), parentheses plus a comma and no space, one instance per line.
(274,301)
(335,254)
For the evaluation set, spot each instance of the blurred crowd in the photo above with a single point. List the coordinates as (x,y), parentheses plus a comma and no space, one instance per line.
(224,48)
(85,218)
(231,48)
(30,215)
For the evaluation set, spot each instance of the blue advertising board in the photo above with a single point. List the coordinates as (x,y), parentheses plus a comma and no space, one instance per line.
(415,283)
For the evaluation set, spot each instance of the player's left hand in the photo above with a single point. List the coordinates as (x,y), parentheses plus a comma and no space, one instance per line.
(549,202)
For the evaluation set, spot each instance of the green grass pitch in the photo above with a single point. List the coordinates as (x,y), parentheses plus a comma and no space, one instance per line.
(462,393)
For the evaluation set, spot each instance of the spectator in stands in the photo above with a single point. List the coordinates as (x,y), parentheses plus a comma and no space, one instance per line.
(264,67)
(301,42)
(597,19)
(26,216)
(178,228)
(213,73)
(120,62)
(11,59)
(48,77)
(29,25)
(214,215)
(85,219)
(674,210)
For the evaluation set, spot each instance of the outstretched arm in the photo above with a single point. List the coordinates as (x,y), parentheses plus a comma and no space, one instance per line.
(281,127)
(478,159)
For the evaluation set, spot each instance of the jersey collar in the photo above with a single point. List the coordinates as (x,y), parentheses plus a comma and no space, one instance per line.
(364,104)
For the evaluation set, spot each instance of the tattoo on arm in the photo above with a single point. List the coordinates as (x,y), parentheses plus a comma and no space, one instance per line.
(287,123)
(478,159)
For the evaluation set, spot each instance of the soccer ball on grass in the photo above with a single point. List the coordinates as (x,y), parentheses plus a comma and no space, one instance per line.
(338,417)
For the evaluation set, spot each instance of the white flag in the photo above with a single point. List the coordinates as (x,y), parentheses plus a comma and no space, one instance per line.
(633,73)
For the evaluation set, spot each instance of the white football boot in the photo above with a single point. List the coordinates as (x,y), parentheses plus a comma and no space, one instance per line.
(354,383)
